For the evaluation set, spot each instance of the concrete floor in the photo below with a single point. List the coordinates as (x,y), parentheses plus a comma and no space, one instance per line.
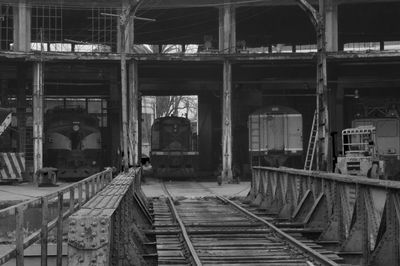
(12,194)
(153,188)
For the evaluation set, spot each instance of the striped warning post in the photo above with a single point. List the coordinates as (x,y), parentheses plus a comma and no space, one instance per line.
(12,166)
(5,119)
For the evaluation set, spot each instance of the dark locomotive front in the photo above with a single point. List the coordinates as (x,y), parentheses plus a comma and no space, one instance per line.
(172,152)
(73,143)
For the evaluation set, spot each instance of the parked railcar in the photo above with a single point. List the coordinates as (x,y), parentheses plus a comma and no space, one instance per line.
(172,153)
(276,137)
(73,143)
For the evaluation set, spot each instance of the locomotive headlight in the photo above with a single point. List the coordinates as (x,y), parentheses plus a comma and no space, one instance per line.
(94,163)
(75,127)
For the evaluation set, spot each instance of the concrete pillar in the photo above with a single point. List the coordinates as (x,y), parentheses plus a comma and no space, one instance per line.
(21,106)
(227,122)
(133,117)
(227,29)
(22,26)
(37,109)
(331,26)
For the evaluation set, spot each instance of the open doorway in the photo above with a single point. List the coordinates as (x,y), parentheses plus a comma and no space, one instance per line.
(169,131)
(154,107)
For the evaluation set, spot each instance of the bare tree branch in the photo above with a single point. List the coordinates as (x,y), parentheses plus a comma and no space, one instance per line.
(173,105)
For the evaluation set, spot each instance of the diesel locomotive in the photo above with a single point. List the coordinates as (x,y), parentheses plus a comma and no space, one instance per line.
(276,137)
(73,143)
(172,151)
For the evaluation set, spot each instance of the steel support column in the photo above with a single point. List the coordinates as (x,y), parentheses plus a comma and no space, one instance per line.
(227,41)
(227,122)
(37,104)
(133,129)
(123,49)
(126,41)
(323,152)
(124,100)
(324,161)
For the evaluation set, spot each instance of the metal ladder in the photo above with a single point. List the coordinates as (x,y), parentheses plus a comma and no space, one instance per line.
(312,143)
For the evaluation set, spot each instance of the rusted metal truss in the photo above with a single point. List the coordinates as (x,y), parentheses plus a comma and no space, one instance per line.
(362,215)
(106,230)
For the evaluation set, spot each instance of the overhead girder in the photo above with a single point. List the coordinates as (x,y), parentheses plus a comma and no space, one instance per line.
(312,13)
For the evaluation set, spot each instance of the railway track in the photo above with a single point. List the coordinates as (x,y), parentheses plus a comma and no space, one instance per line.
(216,230)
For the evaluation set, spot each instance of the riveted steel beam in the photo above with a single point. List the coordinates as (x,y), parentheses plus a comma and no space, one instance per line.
(103,231)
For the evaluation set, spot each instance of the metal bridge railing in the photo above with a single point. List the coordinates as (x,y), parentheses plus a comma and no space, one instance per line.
(51,210)
(361,215)
(107,230)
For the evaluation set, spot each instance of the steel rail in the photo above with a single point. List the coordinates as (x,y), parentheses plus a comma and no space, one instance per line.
(341,178)
(183,231)
(291,240)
